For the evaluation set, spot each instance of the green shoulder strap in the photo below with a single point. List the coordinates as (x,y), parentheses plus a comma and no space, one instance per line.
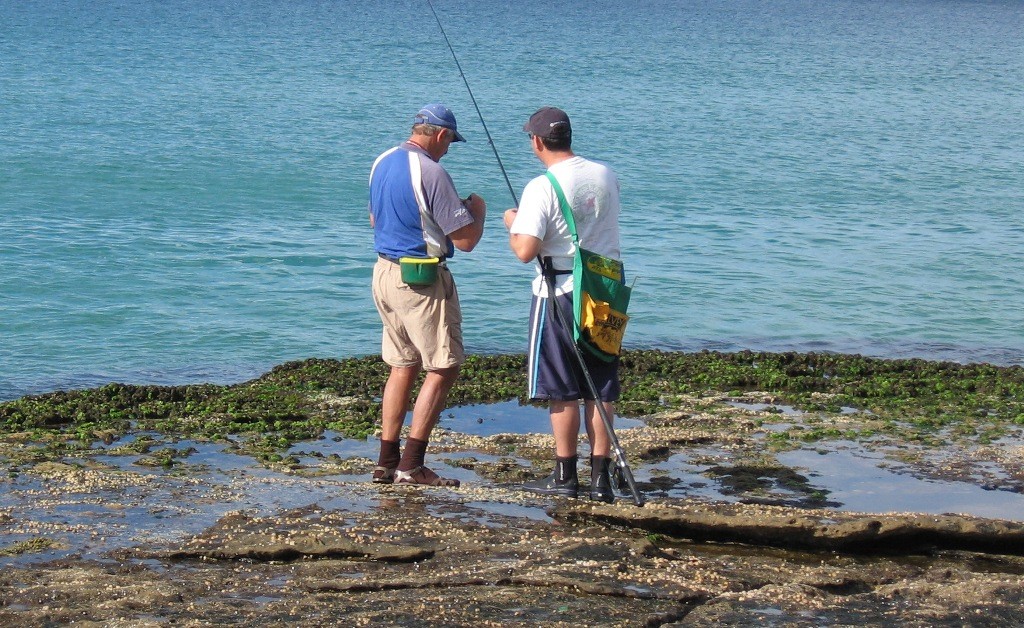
(564,204)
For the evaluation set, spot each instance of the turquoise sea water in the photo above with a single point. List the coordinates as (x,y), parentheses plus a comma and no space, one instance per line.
(182,184)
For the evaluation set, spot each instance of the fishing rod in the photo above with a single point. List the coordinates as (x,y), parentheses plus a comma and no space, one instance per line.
(622,465)
(477,107)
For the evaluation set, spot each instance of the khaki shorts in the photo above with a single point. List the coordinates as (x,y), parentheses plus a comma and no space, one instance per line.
(422,324)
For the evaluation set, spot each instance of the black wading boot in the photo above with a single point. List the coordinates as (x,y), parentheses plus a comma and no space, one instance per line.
(562,481)
(600,480)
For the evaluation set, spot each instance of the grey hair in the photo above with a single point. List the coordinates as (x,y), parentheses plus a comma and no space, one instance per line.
(429,129)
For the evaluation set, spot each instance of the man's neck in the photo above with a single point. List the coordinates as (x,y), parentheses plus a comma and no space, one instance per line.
(427,146)
(550,158)
(418,144)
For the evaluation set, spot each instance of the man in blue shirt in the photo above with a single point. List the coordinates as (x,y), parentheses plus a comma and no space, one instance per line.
(416,212)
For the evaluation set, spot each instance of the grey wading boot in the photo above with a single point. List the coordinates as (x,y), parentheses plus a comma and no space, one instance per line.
(600,480)
(562,481)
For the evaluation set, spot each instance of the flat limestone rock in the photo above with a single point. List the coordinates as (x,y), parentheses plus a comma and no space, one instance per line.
(260,548)
(806,529)
(240,537)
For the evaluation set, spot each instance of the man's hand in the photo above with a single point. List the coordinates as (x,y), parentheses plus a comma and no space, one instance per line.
(476,206)
(510,216)
(467,237)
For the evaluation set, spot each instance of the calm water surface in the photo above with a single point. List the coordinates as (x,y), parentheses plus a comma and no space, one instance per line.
(183,185)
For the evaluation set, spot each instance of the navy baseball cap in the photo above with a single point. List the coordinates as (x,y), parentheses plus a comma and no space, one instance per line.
(438,115)
(550,123)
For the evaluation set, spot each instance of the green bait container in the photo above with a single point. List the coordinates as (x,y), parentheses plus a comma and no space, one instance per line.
(419,271)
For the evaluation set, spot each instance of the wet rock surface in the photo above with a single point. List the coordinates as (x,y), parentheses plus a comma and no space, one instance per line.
(745,524)
(486,554)
(428,557)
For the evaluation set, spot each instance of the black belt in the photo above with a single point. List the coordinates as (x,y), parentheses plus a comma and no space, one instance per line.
(548,269)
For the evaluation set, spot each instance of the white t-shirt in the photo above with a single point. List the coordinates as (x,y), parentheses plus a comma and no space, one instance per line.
(592,190)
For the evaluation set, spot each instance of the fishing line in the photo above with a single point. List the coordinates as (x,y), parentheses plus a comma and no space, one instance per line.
(471,97)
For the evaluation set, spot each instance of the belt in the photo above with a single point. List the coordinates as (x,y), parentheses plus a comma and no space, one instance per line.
(548,269)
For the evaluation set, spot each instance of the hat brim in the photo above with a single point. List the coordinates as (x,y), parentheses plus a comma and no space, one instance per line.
(458,136)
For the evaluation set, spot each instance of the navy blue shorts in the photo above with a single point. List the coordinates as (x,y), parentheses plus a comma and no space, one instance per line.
(553,371)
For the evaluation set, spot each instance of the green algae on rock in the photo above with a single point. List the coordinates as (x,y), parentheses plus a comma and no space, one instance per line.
(914,399)
(37,544)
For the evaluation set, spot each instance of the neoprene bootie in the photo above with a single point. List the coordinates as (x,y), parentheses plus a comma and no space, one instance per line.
(600,480)
(562,481)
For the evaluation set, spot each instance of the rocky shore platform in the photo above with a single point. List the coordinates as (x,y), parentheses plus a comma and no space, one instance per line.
(251,504)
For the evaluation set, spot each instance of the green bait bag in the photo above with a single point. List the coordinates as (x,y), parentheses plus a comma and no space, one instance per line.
(600,296)
(419,271)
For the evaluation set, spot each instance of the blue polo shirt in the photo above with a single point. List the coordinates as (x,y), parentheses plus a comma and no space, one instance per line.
(414,205)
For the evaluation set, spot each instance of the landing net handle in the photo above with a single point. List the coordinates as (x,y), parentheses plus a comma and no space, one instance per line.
(621,464)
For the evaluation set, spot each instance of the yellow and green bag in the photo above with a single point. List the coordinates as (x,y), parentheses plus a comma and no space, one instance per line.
(600,295)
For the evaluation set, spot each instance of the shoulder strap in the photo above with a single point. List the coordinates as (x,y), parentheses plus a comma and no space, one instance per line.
(564,204)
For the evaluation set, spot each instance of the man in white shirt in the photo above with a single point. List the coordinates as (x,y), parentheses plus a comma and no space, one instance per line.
(537,228)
